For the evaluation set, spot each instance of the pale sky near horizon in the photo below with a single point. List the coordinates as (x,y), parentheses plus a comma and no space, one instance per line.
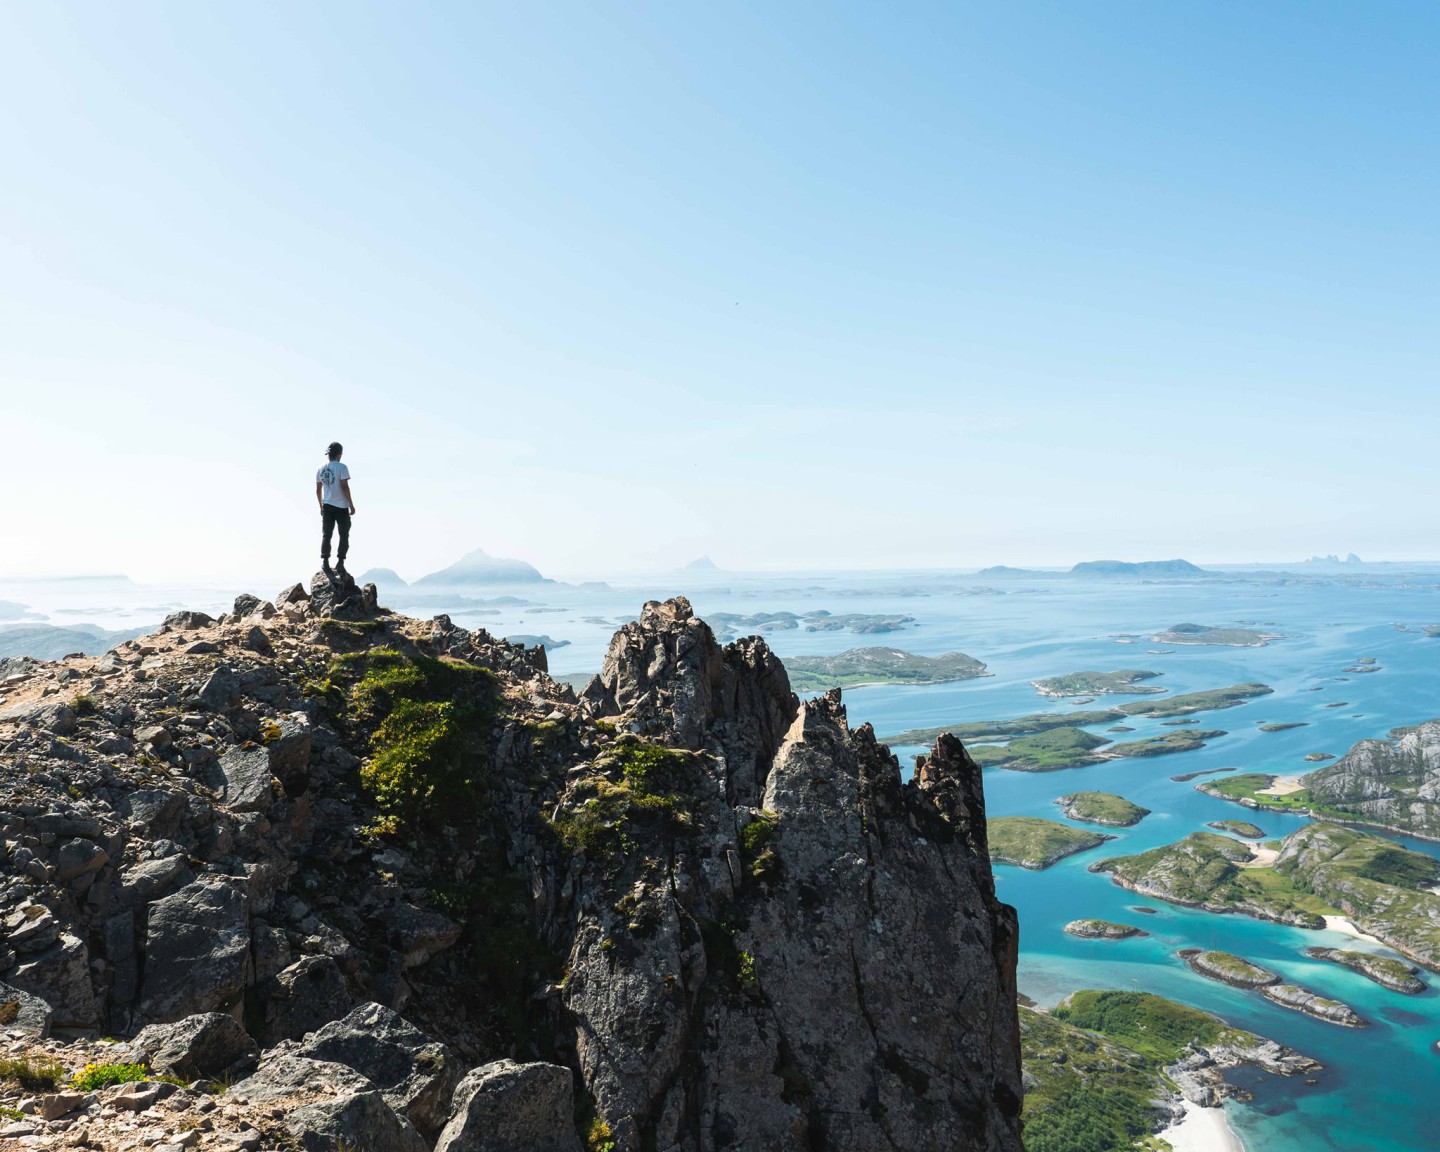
(608,286)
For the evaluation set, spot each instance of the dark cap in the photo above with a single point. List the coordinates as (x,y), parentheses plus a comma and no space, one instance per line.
(335,448)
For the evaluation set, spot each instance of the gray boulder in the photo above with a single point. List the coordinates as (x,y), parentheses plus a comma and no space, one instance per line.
(326,1106)
(416,1075)
(20,1011)
(52,716)
(188,620)
(295,594)
(60,976)
(363,1120)
(246,603)
(203,1045)
(510,1107)
(303,997)
(220,689)
(288,745)
(242,779)
(197,949)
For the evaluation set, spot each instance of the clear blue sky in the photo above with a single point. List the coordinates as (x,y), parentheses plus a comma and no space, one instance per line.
(605,286)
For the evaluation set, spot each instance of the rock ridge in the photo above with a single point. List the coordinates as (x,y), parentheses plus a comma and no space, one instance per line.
(434,892)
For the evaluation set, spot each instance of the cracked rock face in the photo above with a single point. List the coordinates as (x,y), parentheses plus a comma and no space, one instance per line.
(845,979)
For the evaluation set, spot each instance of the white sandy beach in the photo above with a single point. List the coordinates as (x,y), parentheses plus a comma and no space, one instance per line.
(1202,1130)
(1282,786)
(1341,924)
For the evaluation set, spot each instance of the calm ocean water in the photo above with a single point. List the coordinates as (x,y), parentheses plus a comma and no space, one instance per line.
(1376,1090)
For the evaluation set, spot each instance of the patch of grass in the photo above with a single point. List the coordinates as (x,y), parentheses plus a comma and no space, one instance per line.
(428,722)
(759,858)
(1158,1029)
(609,818)
(1083,1093)
(34,1075)
(85,705)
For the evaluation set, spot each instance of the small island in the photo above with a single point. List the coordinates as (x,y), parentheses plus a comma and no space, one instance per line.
(1211,700)
(1228,968)
(1045,752)
(1204,634)
(1238,828)
(1395,975)
(1037,722)
(1186,741)
(1103,930)
(1240,973)
(878,666)
(1124,682)
(1102,808)
(1033,843)
(1319,757)
(1299,999)
(1284,727)
(1179,723)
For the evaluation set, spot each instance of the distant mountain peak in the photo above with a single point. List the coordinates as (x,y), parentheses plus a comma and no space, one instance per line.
(702,564)
(479,567)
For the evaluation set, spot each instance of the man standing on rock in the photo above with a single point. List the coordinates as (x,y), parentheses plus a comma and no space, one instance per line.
(332,490)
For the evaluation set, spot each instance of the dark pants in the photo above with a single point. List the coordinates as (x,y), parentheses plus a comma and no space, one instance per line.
(330,518)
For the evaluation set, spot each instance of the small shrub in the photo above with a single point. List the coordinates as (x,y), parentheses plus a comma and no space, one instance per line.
(85,705)
(598,1137)
(94,1076)
(32,1075)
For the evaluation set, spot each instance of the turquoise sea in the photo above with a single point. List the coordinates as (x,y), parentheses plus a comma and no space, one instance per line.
(1376,1091)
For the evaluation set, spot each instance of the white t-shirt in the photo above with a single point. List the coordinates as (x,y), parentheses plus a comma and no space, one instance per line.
(329,478)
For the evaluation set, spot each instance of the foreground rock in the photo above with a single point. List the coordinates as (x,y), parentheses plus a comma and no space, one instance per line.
(506,1107)
(389,851)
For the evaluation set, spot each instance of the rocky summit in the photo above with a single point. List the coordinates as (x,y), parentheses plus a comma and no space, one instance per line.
(315,875)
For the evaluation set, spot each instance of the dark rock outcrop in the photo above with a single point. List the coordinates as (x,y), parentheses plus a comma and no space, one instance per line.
(769,937)
(510,1107)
